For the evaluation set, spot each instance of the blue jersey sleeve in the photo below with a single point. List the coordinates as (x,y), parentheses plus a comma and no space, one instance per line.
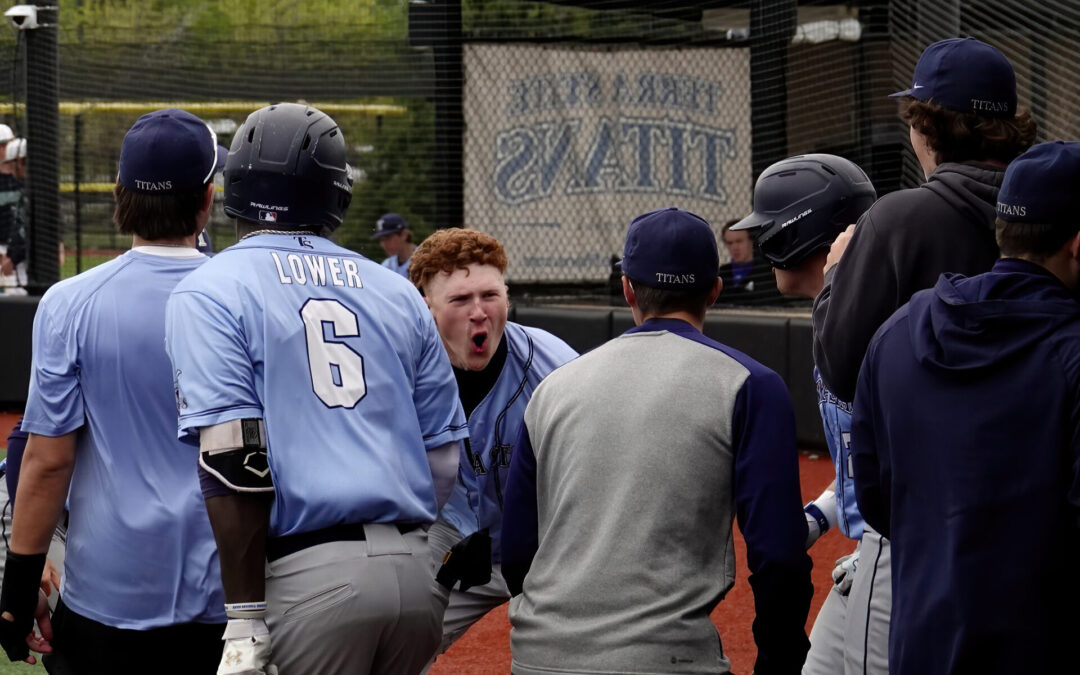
(438,406)
(54,405)
(208,391)
(520,539)
(769,508)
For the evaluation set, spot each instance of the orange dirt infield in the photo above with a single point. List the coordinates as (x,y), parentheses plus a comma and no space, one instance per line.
(486,647)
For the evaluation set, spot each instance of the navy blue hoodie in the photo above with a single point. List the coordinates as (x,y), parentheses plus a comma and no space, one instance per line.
(966,448)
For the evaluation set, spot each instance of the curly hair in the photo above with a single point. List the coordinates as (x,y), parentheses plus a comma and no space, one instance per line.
(963,137)
(453,249)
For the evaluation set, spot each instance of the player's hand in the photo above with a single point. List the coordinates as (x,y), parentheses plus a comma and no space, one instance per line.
(838,247)
(30,641)
(21,601)
(843,575)
(247,649)
(7,268)
(50,578)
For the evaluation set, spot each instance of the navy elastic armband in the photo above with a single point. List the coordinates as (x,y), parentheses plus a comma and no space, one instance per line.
(814,512)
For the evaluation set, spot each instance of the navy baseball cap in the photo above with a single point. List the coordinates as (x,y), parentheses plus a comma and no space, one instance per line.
(965,75)
(389,223)
(169,151)
(671,249)
(1040,185)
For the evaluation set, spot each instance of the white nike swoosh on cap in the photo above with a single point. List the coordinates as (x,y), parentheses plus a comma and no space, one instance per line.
(917,86)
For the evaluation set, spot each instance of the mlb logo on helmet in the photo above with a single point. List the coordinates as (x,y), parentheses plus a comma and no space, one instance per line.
(268,216)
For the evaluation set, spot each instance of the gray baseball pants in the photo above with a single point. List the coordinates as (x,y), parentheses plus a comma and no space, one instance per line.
(463,608)
(851,633)
(355,607)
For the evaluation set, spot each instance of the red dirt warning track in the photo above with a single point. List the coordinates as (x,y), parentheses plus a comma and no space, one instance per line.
(485,649)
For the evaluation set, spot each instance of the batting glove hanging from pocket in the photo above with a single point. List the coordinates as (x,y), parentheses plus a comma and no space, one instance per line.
(247,646)
(843,575)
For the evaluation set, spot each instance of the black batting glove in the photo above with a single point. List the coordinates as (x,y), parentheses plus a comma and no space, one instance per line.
(19,597)
(468,561)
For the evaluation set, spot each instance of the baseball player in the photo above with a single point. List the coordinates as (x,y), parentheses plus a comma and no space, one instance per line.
(395,237)
(801,204)
(497,364)
(964,128)
(141,571)
(13,217)
(326,414)
(966,446)
(632,463)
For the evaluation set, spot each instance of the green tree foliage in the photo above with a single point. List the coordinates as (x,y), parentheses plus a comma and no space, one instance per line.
(394,174)
(233,20)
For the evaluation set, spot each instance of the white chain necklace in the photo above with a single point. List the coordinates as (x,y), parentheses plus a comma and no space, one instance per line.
(258,232)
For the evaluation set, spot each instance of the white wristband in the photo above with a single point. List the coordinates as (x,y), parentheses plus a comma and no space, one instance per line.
(245,610)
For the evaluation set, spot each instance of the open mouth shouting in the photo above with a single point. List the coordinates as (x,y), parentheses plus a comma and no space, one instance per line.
(479,342)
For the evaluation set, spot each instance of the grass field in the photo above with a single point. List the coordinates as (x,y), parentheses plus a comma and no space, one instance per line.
(88,260)
(15,668)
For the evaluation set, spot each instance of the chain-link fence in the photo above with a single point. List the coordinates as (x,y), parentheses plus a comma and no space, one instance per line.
(570,117)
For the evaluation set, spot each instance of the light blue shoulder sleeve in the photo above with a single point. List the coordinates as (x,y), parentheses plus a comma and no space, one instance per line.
(435,395)
(215,390)
(54,405)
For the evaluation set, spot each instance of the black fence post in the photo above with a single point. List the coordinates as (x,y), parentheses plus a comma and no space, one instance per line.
(43,149)
(449,179)
(772,25)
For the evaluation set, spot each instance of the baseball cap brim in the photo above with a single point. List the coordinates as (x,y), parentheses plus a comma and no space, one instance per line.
(909,92)
(222,155)
(384,233)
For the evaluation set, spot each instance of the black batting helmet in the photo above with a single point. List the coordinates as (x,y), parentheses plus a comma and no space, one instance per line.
(802,203)
(286,169)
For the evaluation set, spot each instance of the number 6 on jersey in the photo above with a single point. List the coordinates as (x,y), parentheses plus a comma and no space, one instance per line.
(337,372)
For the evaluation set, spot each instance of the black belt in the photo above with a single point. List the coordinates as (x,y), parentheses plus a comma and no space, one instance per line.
(279,547)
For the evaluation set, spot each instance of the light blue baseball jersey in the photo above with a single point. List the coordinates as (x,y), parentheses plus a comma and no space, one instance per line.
(342,360)
(836,416)
(140,553)
(493,429)
(392,264)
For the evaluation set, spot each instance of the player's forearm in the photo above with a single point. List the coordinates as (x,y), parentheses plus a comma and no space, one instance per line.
(240,523)
(782,594)
(43,486)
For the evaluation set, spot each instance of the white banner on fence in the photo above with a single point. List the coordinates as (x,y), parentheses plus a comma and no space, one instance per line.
(564,146)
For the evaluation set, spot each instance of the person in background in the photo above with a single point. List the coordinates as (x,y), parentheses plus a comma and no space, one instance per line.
(395,237)
(748,279)
(13,216)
